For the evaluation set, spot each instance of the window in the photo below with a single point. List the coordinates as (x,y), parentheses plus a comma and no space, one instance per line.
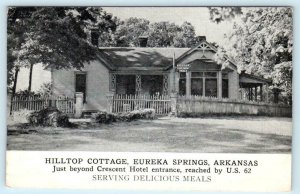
(197,83)
(197,74)
(182,75)
(197,86)
(125,84)
(210,74)
(80,84)
(225,90)
(152,84)
(211,87)
(182,83)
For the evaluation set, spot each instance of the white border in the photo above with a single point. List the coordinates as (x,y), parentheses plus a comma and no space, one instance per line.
(296,106)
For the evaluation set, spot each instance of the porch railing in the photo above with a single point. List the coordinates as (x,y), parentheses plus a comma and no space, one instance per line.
(126,103)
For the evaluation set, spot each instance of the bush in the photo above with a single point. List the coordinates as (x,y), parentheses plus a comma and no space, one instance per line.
(104,117)
(143,114)
(49,117)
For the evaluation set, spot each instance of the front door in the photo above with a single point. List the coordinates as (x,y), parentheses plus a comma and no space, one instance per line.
(80,84)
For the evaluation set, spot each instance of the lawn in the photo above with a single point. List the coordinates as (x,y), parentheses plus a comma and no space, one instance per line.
(167,134)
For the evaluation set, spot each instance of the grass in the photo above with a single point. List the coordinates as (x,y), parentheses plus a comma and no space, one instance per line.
(200,135)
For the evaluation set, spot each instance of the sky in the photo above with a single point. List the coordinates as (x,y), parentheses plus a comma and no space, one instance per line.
(197,16)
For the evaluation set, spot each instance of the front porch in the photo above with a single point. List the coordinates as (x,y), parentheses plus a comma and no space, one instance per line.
(139,90)
(253,88)
(155,84)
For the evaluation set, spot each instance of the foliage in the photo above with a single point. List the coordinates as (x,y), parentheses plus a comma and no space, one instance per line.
(53,36)
(104,117)
(49,117)
(25,93)
(186,37)
(165,34)
(45,89)
(137,114)
(219,14)
(160,34)
(261,43)
(129,30)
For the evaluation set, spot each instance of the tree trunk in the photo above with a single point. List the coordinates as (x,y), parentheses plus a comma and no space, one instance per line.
(14,88)
(30,78)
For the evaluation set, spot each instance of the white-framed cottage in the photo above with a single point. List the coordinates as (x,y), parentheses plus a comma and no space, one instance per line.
(145,71)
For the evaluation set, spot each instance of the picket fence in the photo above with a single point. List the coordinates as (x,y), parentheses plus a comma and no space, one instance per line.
(126,103)
(36,103)
(212,105)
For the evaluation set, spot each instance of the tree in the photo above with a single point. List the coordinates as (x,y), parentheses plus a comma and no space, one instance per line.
(219,14)
(162,34)
(53,36)
(128,31)
(186,36)
(261,43)
(15,38)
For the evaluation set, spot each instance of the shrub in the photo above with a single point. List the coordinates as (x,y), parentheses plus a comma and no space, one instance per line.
(104,117)
(143,114)
(49,117)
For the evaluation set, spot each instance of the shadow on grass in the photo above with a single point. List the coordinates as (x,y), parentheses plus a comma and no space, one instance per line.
(199,137)
(150,136)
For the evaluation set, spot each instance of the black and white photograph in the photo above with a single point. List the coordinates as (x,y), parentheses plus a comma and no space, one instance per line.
(150,98)
(150,79)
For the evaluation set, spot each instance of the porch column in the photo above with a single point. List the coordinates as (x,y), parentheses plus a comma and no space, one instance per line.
(165,84)
(110,98)
(249,93)
(188,84)
(113,82)
(78,104)
(219,84)
(260,92)
(267,93)
(138,84)
(176,82)
(255,92)
(174,103)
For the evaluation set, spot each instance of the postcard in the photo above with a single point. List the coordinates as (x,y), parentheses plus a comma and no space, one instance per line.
(150,98)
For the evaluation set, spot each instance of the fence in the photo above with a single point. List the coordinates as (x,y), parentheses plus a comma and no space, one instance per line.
(211,105)
(35,103)
(125,103)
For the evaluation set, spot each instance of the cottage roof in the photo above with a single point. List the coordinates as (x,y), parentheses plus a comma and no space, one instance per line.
(250,78)
(143,58)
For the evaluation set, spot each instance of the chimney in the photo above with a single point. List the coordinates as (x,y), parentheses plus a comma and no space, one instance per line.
(143,41)
(201,38)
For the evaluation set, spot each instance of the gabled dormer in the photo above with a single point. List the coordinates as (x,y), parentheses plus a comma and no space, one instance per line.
(203,52)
